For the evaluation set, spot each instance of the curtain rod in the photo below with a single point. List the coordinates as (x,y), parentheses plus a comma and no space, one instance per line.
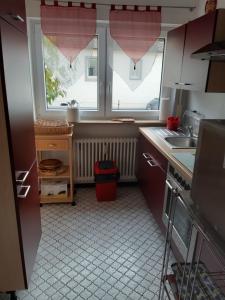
(109,4)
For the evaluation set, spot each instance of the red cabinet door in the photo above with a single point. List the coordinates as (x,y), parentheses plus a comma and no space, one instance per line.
(151,174)
(18,95)
(199,33)
(17,99)
(29,220)
(142,171)
(14,12)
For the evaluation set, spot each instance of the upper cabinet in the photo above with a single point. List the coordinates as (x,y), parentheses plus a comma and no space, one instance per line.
(14,12)
(181,69)
(174,56)
(198,34)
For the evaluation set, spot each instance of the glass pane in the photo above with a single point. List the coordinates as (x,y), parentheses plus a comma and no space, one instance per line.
(182,223)
(146,95)
(168,201)
(64,82)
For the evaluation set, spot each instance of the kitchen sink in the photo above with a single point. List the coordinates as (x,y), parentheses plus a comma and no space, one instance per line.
(181,141)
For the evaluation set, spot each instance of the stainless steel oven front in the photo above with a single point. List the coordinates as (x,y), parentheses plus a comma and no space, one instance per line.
(183,232)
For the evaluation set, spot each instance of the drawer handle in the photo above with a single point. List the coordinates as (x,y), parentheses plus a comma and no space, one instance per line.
(146,155)
(16,17)
(21,176)
(52,145)
(152,163)
(22,191)
(182,83)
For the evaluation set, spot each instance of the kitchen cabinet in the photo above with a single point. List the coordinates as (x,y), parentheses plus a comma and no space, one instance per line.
(184,71)
(14,12)
(199,33)
(20,226)
(174,56)
(151,175)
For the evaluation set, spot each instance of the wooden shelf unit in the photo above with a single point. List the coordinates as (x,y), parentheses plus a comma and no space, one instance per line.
(57,142)
(64,174)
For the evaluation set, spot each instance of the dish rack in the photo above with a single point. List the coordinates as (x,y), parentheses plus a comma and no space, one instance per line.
(200,275)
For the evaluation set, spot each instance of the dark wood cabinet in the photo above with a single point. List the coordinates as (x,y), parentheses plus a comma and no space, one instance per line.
(184,71)
(198,34)
(151,174)
(18,98)
(20,226)
(174,56)
(29,217)
(14,12)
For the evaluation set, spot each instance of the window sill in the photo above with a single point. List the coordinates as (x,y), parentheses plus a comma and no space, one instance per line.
(136,122)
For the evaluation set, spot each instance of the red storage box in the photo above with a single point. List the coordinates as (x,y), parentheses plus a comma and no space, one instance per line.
(106,177)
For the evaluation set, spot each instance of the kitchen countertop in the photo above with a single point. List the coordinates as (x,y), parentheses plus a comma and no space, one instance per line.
(152,135)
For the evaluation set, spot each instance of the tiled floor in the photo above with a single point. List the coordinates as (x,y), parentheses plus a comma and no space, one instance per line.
(108,250)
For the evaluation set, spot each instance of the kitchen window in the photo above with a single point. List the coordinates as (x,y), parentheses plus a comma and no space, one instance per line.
(64,82)
(99,89)
(140,87)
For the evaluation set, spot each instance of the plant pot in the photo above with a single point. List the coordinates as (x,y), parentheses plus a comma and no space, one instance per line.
(73,115)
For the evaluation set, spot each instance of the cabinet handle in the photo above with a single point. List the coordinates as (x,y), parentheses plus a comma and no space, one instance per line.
(146,155)
(152,163)
(22,191)
(17,18)
(182,83)
(52,145)
(21,176)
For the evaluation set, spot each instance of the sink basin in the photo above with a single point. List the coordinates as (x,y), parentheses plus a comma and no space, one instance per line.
(181,141)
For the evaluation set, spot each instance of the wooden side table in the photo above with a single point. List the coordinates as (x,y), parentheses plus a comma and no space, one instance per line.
(61,142)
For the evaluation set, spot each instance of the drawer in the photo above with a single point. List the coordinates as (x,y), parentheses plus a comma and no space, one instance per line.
(52,144)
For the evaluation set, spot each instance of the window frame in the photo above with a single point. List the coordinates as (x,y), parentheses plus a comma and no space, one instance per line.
(38,75)
(140,114)
(104,79)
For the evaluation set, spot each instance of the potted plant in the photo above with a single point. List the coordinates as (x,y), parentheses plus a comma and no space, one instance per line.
(73,114)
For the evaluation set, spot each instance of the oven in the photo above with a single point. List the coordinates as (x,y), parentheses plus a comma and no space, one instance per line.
(183,232)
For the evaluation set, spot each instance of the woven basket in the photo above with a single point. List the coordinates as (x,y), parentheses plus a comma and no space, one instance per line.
(52,127)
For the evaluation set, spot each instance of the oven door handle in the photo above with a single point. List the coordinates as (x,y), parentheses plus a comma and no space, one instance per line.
(173,190)
(169,184)
(180,199)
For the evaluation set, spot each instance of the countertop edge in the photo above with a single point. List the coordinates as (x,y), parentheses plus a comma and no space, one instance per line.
(166,151)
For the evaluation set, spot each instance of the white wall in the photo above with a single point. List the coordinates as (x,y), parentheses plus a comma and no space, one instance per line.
(212,105)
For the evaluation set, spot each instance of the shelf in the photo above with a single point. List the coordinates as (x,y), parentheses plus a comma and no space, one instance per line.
(56,199)
(65,174)
(57,142)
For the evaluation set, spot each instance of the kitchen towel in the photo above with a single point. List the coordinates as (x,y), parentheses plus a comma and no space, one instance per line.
(164,109)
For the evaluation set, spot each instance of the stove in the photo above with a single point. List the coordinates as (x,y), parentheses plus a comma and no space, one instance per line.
(187,159)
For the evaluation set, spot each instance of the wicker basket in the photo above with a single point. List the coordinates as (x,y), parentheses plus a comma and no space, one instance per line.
(52,127)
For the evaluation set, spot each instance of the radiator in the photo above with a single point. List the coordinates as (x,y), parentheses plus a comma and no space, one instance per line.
(88,151)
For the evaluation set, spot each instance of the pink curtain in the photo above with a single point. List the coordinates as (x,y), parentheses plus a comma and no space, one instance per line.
(70,28)
(135,31)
